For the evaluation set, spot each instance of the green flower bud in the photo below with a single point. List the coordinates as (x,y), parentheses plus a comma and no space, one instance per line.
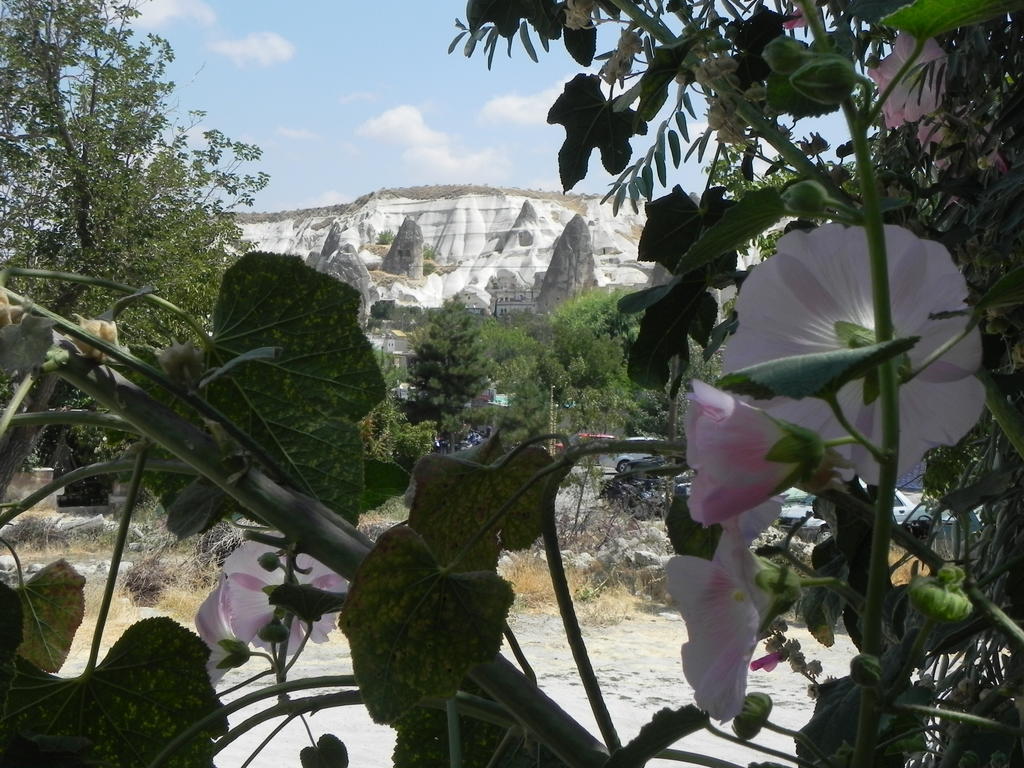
(269,561)
(806,199)
(182,362)
(826,78)
(865,670)
(756,709)
(941,597)
(781,584)
(785,55)
(238,653)
(274,632)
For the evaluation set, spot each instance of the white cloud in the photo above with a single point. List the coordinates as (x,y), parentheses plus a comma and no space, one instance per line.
(512,108)
(328,197)
(261,49)
(433,154)
(401,125)
(354,96)
(157,13)
(299,134)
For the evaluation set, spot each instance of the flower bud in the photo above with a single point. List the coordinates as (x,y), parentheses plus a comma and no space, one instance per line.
(781,584)
(274,632)
(865,670)
(104,329)
(238,653)
(941,597)
(826,78)
(269,561)
(785,55)
(806,199)
(756,709)
(182,362)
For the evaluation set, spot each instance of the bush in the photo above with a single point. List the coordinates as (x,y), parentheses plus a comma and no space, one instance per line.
(387,237)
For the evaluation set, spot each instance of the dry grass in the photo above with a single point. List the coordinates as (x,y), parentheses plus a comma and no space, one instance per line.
(182,603)
(121,616)
(904,566)
(599,598)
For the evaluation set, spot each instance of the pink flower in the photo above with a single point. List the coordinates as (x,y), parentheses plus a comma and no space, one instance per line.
(796,19)
(728,443)
(816,288)
(723,609)
(920,92)
(767,663)
(213,626)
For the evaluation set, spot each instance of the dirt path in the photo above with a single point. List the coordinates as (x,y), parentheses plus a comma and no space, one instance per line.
(637,663)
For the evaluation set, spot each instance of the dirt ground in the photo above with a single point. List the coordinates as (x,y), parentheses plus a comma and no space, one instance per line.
(637,663)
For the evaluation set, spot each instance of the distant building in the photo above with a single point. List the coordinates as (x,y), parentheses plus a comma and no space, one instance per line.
(510,294)
(474,303)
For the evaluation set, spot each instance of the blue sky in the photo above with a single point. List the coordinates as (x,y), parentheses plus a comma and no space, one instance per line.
(346,97)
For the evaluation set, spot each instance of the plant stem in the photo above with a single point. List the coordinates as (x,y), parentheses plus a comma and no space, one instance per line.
(796,736)
(694,759)
(856,434)
(944,347)
(1006,415)
(960,717)
(759,747)
(838,586)
(570,623)
(1010,628)
(77,417)
(289,708)
(16,400)
(115,557)
(454,734)
(888,402)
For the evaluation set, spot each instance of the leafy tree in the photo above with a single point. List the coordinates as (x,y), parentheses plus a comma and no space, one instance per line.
(95,176)
(388,436)
(450,366)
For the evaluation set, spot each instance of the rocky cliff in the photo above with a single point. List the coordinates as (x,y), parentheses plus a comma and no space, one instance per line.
(472,233)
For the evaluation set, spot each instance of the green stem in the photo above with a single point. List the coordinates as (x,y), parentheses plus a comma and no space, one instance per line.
(838,586)
(801,738)
(888,402)
(960,717)
(454,734)
(1011,630)
(153,299)
(759,747)
(910,663)
(289,708)
(100,468)
(837,441)
(573,634)
(944,348)
(77,417)
(19,397)
(1006,415)
(854,433)
(115,557)
(694,759)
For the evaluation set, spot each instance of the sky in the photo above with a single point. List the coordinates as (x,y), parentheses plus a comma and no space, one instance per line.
(347,97)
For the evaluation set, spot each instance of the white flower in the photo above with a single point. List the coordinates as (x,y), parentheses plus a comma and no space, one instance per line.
(817,287)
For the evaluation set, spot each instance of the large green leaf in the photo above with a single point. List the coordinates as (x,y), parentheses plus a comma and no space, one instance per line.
(784,97)
(455,495)
(581,44)
(666,728)
(687,536)
(195,509)
(660,74)
(814,375)
(664,332)
(23,346)
(506,15)
(329,752)
(754,213)
(1008,291)
(10,635)
(414,630)
(928,18)
(52,607)
(674,223)
(590,123)
(302,406)
(382,481)
(151,686)
(874,11)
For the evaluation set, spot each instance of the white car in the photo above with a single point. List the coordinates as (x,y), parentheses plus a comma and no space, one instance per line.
(622,462)
(798,506)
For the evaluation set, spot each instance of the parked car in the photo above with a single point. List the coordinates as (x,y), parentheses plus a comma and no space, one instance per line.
(798,506)
(620,462)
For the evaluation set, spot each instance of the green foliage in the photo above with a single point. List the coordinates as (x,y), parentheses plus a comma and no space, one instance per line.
(150,687)
(455,495)
(415,630)
(329,752)
(388,436)
(387,237)
(304,405)
(687,536)
(666,728)
(450,365)
(52,607)
(928,18)
(306,601)
(11,636)
(591,122)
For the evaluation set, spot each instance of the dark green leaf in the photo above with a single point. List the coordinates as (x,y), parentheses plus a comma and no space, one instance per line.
(263,353)
(928,18)
(23,346)
(687,536)
(664,331)
(151,686)
(674,223)
(820,608)
(640,300)
(783,97)
(524,35)
(329,752)
(52,607)
(591,123)
(11,623)
(506,16)
(41,751)
(195,509)
(750,36)
(813,375)
(306,601)
(988,488)
(873,11)
(415,631)
(665,729)
(382,481)
(455,495)
(303,406)
(704,320)
(835,716)
(1008,291)
(658,77)
(754,213)
(674,148)
(581,44)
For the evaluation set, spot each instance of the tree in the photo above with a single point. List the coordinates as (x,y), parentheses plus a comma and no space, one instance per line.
(449,368)
(95,176)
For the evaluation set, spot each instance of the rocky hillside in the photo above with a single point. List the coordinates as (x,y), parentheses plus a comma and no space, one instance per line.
(450,241)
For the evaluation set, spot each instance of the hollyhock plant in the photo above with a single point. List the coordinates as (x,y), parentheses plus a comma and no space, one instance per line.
(214,628)
(732,446)
(920,93)
(823,279)
(723,608)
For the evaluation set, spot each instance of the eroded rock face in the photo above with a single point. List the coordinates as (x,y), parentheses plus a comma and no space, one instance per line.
(572,266)
(406,254)
(343,263)
(521,233)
